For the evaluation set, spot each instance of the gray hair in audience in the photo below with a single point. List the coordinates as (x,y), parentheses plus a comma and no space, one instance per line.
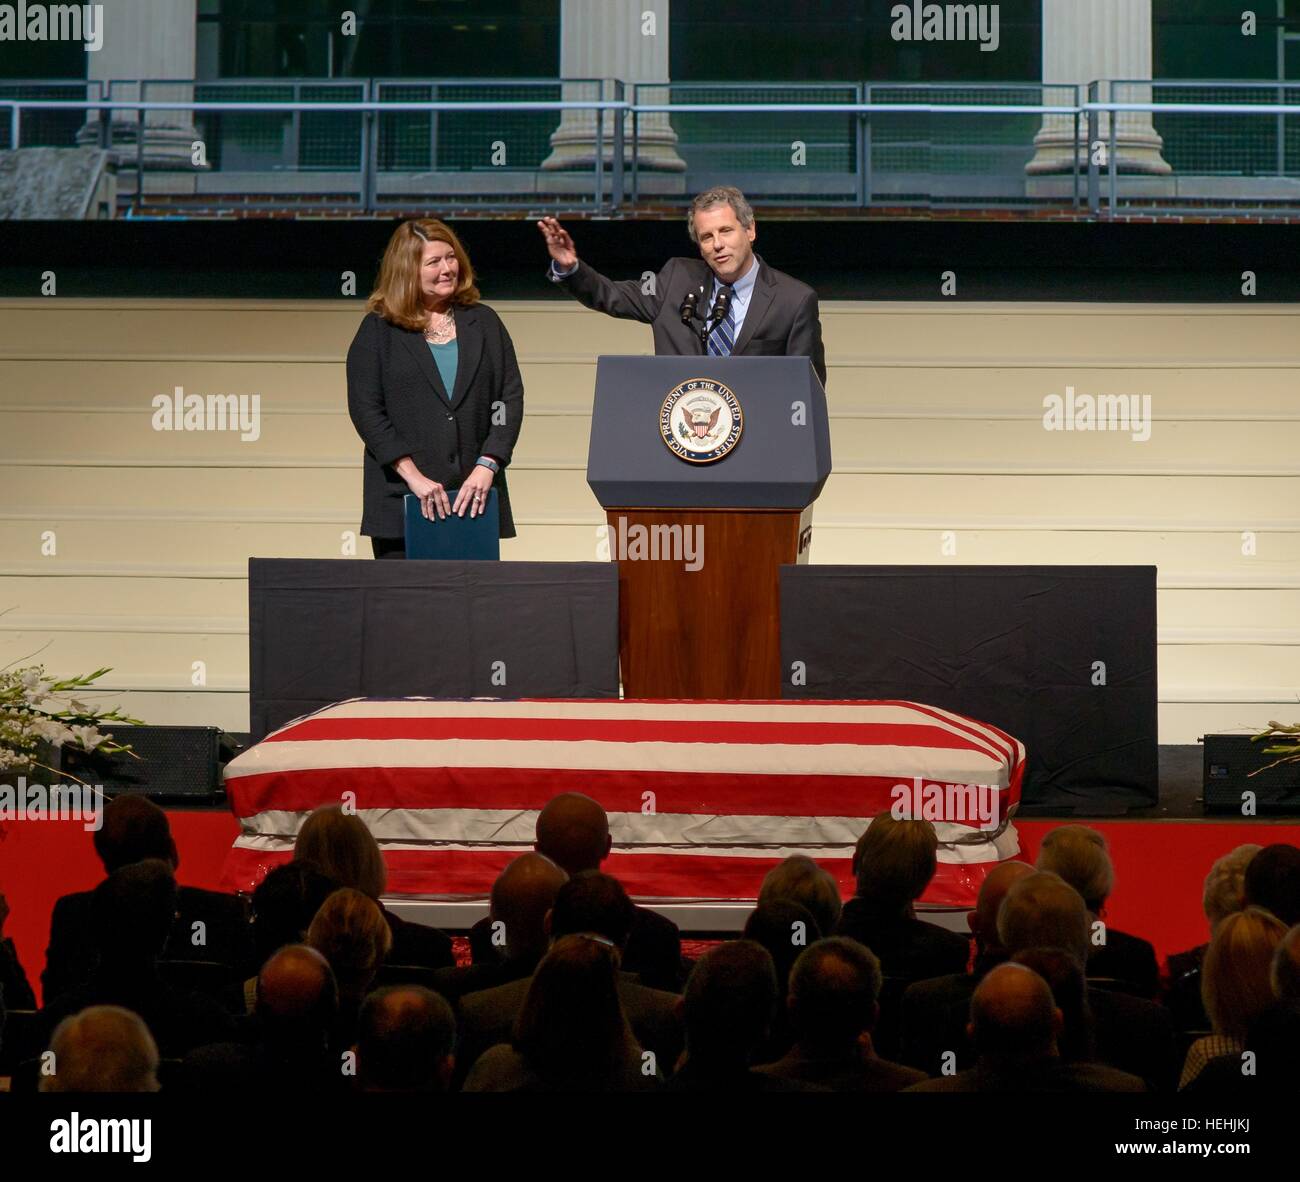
(102,1049)
(1285,974)
(1079,855)
(1042,910)
(1225,885)
(799,879)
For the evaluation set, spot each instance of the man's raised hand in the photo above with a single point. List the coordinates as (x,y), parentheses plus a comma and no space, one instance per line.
(558,243)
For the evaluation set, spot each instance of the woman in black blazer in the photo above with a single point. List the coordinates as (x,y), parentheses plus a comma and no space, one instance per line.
(434,389)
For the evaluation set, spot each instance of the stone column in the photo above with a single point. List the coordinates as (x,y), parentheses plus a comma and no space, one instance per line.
(1087,40)
(614,39)
(143,40)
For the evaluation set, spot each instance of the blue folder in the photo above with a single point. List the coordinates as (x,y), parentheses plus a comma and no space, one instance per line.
(452,536)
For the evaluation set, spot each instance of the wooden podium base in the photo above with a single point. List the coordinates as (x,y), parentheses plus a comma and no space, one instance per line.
(699,598)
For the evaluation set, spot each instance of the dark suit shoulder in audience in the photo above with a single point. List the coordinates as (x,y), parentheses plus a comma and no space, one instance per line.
(845,1073)
(1129,959)
(1134,1035)
(905,946)
(418,944)
(1053,1078)
(15,989)
(503,1069)
(695,1079)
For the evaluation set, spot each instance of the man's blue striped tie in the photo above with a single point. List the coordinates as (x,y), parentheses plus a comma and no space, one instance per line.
(723,338)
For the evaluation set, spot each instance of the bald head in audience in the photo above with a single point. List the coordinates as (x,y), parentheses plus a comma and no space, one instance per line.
(404,1041)
(102,1049)
(297,993)
(1041,910)
(521,896)
(1014,1021)
(984,919)
(573,831)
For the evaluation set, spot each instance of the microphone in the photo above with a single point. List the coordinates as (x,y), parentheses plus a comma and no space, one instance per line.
(721,306)
(687,310)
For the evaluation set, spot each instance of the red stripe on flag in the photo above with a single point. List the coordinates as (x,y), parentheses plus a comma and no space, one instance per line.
(698,793)
(470,873)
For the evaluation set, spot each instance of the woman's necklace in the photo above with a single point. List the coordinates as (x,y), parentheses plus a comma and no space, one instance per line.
(441,328)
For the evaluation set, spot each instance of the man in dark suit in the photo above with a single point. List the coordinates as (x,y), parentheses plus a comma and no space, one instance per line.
(590,903)
(522,897)
(1014,1025)
(208,925)
(769,313)
(573,832)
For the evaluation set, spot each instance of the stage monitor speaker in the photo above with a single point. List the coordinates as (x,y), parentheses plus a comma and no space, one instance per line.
(176,764)
(1229,762)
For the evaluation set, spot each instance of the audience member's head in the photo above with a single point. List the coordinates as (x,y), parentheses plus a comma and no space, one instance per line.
(1078,854)
(573,831)
(521,896)
(1064,977)
(284,904)
(1236,983)
(799,879)
(102,1049)
(894,862)
(297,997)
(785,929)
(1014,1021)
(1273,882)
(405,1037)
(1225,885)
(593,902)
(133,829)
(351,933)
(728,1004)
(134,909)
(984,919)
(834,991)
(1286,967)
(572,1024)
(342,848)
(1043,911)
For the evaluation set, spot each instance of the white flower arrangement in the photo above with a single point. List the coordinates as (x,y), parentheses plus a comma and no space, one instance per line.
(38,714)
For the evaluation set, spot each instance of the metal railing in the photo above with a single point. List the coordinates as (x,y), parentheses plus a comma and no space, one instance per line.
(371,144)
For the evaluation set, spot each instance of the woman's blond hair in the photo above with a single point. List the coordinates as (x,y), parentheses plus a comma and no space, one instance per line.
(351,933)
(397,295)
(1236,981)
(340,846)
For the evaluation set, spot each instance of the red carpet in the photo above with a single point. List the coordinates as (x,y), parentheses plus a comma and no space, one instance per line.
(1160,867)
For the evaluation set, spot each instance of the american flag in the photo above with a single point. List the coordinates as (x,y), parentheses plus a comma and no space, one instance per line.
(703,797)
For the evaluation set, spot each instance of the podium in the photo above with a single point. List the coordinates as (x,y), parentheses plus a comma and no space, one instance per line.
(707,469)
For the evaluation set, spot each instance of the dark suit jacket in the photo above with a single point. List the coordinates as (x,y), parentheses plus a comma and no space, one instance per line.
(488,1017)
(418,943)
(909,948)
(781,320)
(653,952)
(400,407)
(845,1073)
(72,954)
(1129,959)
(1051,1078)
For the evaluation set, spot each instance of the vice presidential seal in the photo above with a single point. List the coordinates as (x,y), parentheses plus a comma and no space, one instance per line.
(701,420)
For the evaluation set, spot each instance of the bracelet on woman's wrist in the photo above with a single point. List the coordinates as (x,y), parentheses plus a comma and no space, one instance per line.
(491,465)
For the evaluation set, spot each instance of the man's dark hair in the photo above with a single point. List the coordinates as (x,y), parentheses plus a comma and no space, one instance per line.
(1273,882)
(834,988)
(777,925)
(593,902)
(134,909)
(284,904)
(133,829)
(729,1002)
(404,1034)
